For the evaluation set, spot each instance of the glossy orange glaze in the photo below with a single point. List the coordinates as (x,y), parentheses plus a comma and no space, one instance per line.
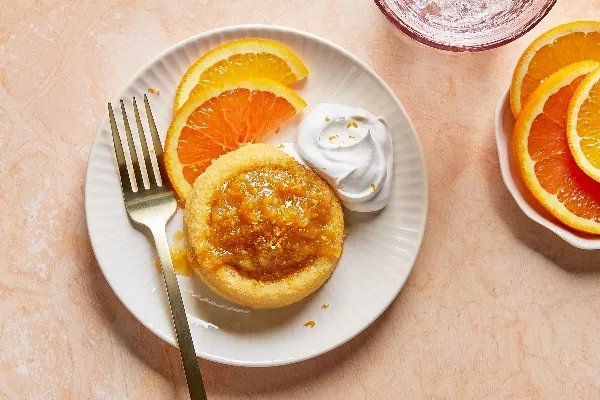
(181,264)
(269,223)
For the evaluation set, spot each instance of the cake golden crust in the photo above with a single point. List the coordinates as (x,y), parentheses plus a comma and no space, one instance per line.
(227,280)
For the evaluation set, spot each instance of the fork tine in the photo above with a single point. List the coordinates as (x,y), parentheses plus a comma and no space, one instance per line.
(149,168)
(123,173)
(158,150)
(133,153)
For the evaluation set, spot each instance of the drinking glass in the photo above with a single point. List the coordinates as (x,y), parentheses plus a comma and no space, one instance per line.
(465,25)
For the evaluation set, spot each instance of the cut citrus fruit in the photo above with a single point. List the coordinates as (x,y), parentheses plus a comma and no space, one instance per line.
(557,48)
(542,149)
(221,119)
(583,125)
(244,58)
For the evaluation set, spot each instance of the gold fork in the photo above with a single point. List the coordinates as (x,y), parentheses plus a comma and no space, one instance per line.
(150,209)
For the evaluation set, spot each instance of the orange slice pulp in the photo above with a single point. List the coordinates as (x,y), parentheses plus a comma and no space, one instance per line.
(240,59)
(583,125)
(557,48)
(542,149)
(221,119)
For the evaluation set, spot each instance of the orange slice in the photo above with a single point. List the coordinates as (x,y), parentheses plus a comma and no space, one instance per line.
(583,125)
(542,149)
(221,119)
(240,59)
(559,47)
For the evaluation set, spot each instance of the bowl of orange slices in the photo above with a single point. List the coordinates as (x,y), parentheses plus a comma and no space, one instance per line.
(548,132)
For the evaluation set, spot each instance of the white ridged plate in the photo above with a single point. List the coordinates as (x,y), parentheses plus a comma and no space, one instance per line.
(379,251)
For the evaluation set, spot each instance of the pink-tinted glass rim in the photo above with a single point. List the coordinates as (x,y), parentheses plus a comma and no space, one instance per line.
(393,18)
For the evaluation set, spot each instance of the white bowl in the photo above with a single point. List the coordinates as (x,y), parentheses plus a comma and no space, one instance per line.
(504,125)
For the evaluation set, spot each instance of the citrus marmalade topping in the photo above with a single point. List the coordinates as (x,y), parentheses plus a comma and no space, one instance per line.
(269,223)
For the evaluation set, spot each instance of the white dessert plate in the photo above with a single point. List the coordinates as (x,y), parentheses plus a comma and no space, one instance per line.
(379,251)
(504,125)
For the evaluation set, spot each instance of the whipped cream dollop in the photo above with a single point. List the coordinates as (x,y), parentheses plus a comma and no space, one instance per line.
(352,150)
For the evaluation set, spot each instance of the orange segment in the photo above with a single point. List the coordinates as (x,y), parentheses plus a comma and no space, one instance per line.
(542,149)
(224,123)
(240,59)
(557,48)
(221,119)
(264,65)
(583,125)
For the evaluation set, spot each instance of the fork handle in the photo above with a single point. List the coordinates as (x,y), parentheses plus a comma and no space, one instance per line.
(182,329)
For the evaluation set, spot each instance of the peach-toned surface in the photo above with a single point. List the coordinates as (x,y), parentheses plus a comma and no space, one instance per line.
(496,306)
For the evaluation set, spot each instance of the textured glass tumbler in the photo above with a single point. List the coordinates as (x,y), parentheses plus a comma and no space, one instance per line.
(465,25)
